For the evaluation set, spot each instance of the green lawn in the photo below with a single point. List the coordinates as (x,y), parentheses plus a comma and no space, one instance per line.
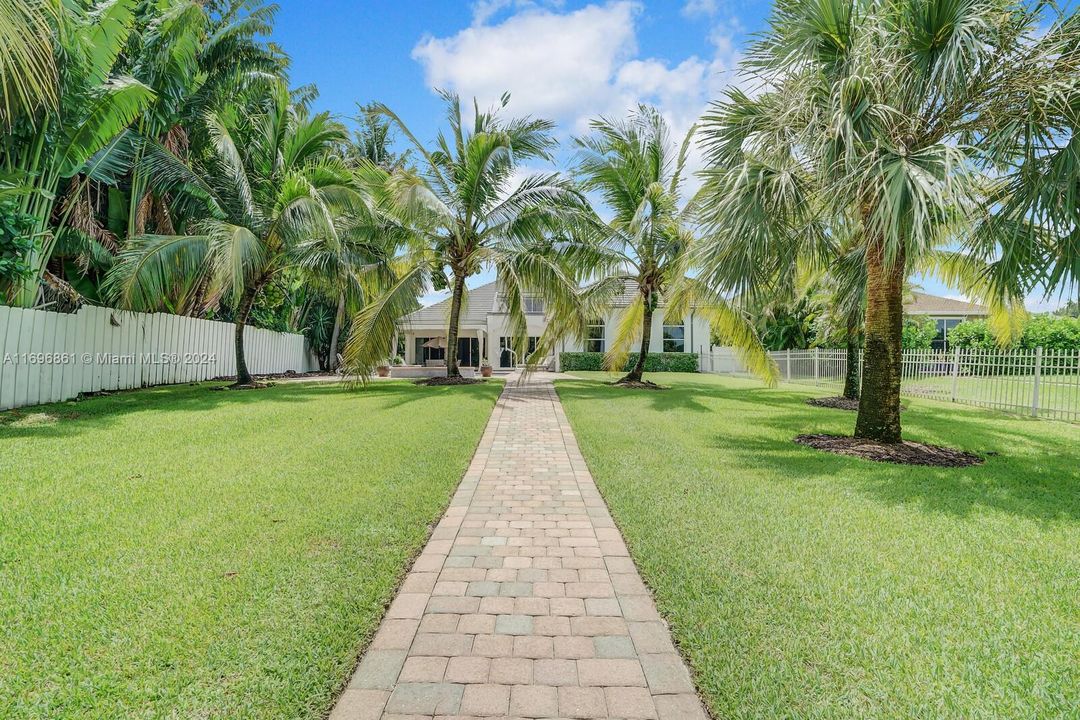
(184,553)
(802,584)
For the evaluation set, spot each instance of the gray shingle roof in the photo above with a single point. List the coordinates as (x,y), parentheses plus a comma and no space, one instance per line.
(480,301)
(924,304)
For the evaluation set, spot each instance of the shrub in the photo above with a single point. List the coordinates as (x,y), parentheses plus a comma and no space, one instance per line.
(918,334)
(1045,331)
(654,362)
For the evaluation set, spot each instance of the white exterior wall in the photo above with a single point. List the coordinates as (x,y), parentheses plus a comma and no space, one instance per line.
(51,357)
(696,334)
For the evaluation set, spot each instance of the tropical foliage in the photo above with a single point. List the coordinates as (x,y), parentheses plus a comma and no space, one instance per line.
(646,251)
(284,202)
(1045,331)
(155,156)
(898,117)
(465,210)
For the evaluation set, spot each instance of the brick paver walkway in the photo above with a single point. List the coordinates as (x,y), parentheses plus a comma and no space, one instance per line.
(524,603)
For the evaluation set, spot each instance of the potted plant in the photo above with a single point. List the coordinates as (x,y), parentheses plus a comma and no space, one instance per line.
(485,369)
(383,370)
(398,360)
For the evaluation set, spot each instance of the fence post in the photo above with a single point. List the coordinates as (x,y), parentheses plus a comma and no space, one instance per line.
(955,374)
(1038,377)
(787,363)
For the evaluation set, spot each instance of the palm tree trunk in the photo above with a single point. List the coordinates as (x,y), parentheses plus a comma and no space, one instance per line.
(851,378)
(339,319)
(452,369)
(243,377)
(879,406)
(646,333)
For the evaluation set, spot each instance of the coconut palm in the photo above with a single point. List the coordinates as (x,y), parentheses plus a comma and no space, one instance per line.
(648,245)
(466,210)
(880,112)
(270,185)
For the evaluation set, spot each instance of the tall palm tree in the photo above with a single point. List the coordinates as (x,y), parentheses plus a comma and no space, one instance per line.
(648,244)
(464,212)
(270,185)
(877,111)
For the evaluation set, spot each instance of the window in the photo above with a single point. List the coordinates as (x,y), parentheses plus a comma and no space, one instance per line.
(423,354)
(673,339)
(944,326)
(533,305)
(594,336)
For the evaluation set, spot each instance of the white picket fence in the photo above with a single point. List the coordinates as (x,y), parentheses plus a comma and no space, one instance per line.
(51,357)
(1041,383)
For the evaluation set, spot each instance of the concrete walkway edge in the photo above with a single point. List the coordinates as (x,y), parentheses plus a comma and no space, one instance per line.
(524,603)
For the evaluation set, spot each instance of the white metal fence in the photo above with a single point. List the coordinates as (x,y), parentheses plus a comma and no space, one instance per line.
(51,357)
(1041,383)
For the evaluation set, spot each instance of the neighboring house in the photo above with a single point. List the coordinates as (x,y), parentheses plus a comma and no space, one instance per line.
(946,313)
(485,334)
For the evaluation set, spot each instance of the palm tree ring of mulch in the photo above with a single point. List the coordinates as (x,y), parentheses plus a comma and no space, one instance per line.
(838,403)
(901,453)
(246,386)
(457,380)
(637,385)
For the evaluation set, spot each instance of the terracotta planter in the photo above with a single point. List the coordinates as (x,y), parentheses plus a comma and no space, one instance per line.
(485,370)
(383,371)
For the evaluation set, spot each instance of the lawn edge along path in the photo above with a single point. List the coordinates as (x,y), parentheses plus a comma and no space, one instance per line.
(524,602)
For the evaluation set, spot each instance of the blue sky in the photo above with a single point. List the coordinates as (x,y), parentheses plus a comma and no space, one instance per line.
(561,59)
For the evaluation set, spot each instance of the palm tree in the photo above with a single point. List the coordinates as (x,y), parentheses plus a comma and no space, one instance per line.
(27,65)
(64,142)
(648,244)
(134,79)
(882,112)
(270,186)
(464,212)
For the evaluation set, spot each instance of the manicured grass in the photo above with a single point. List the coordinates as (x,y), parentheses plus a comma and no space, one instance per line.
(184,553)
(802,584)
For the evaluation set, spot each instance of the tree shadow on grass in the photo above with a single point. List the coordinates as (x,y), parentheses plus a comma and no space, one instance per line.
(1025,474)
(68,419)
(1030,469)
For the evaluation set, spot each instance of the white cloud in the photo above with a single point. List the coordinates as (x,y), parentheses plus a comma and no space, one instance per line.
(552,63)
(700,8)
(574,66)
(484,10)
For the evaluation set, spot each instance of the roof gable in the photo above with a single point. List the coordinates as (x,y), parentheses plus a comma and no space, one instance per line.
(479,302)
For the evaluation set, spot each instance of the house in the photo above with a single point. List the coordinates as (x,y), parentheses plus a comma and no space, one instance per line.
(485,335)
(946,313)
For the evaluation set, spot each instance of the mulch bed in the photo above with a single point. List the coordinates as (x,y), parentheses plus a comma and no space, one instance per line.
(435,381)
(638,385)
(838,403)
(248,386)
(903,453)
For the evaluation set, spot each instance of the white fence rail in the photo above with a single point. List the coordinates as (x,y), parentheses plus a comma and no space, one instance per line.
(51,357)
(1041,383)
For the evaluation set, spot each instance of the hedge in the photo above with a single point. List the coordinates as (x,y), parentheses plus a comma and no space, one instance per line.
(1049,333)
(654,362)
